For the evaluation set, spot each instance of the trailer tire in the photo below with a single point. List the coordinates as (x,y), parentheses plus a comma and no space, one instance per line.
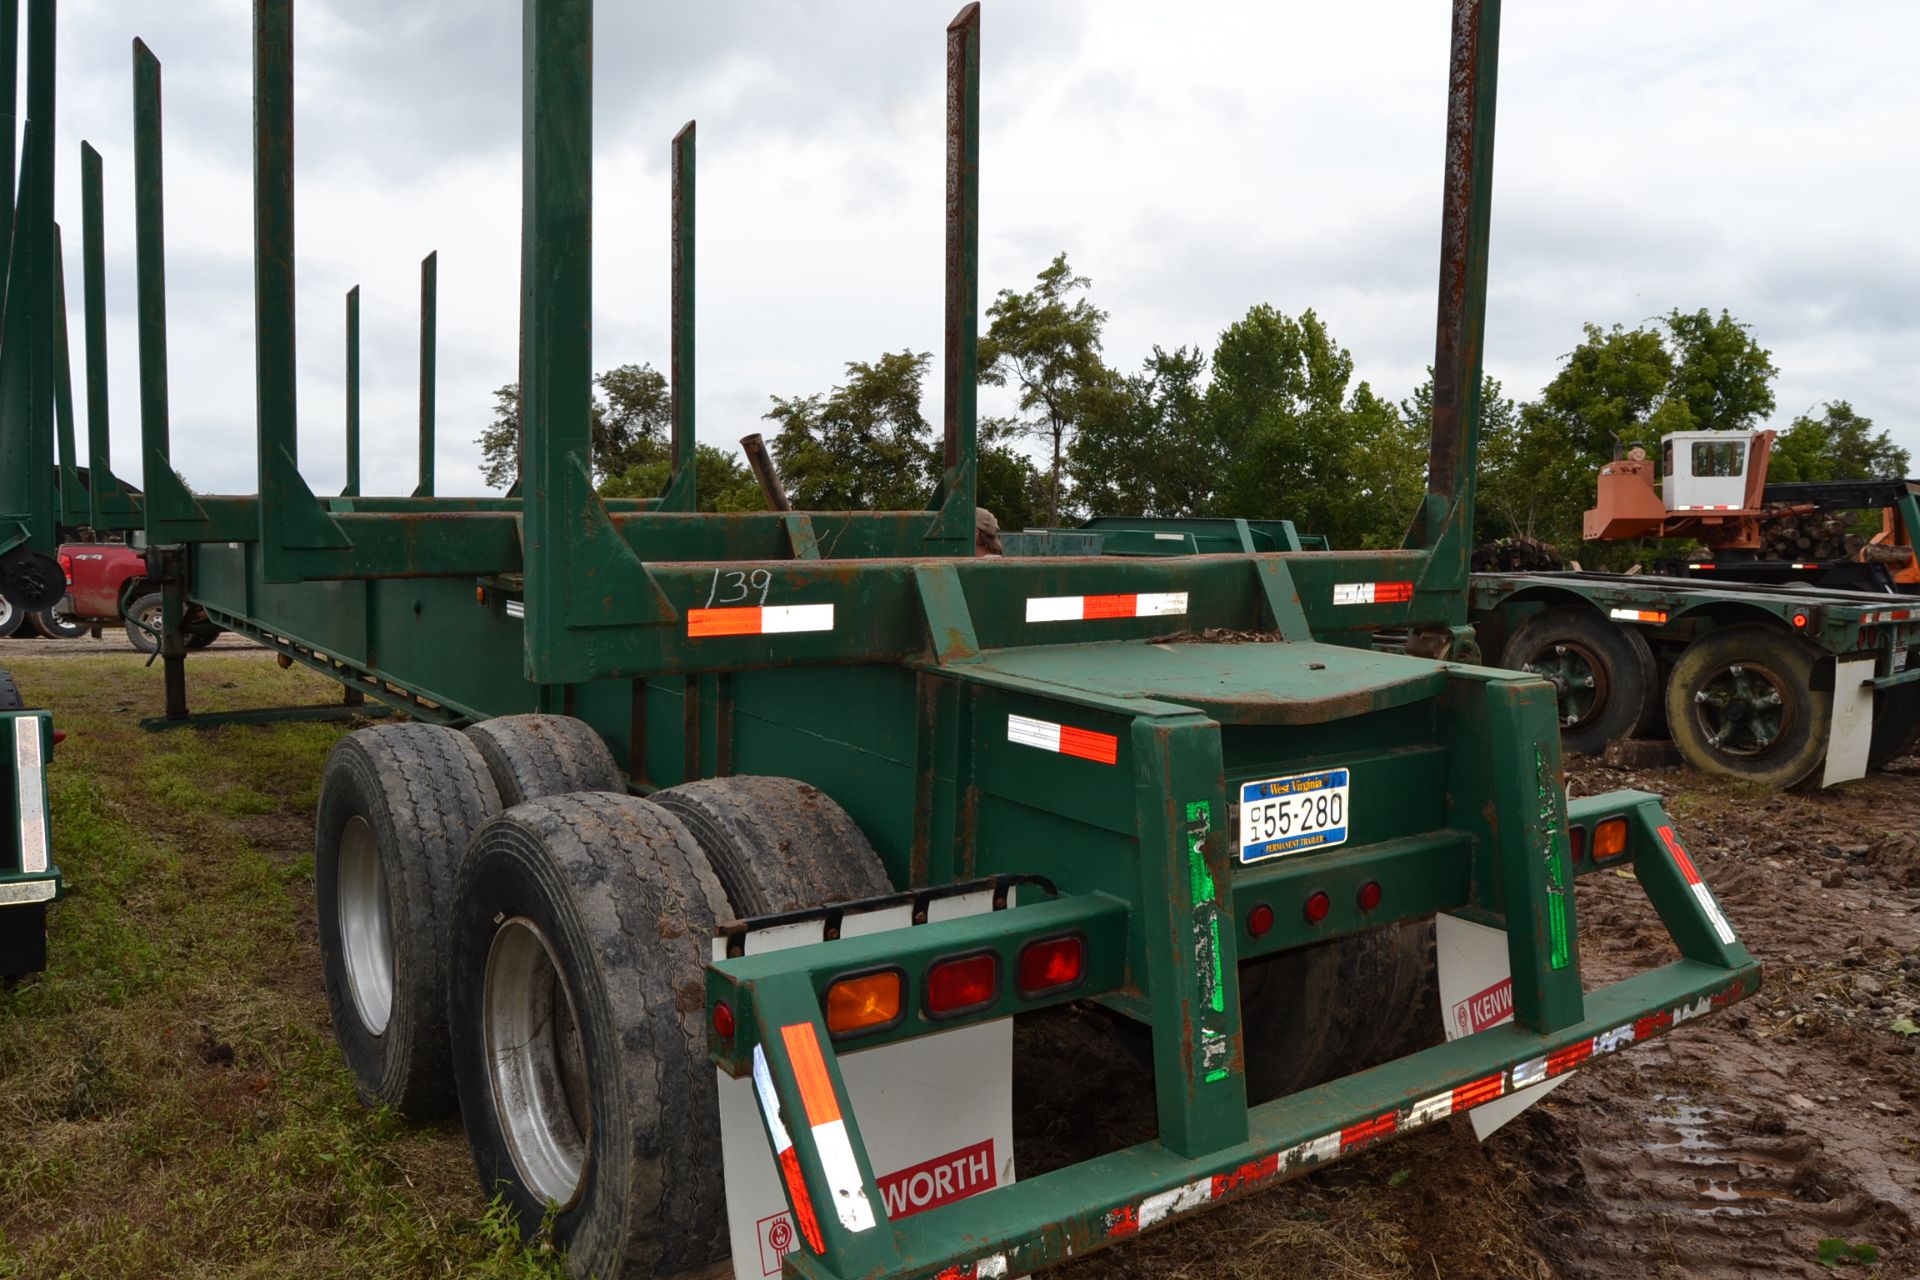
(52,626)
(777,844)
(531,756)
(398,805)
(1564,646)
(1896,725)
(146,607)
(1329,1010)
(202,634)
(577,1000)
(1740,703)
(12,617)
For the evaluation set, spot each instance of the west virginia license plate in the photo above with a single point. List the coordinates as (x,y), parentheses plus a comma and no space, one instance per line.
(1293,814)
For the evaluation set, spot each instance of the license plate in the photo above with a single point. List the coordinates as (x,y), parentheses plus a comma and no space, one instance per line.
(1293,814)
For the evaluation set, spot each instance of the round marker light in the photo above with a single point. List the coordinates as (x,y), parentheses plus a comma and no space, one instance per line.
(1369,895)
(723,1021)
(1317,907)
(1260,920)
(1799,619)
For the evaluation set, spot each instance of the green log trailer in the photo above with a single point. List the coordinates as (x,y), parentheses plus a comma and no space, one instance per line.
(674,719)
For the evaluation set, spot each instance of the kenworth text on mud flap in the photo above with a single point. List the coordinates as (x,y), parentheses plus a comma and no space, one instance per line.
(720,850)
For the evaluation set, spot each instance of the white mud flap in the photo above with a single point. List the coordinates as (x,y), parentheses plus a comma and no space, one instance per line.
(1852,732)
(1476,992)
(936,1111)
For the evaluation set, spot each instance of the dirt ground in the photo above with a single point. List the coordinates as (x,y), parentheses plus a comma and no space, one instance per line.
(1778,1139)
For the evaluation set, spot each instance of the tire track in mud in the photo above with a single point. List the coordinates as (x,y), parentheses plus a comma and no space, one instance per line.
(1735,1149)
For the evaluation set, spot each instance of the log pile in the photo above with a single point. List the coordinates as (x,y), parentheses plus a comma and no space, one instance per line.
(1818,535)
(1515,555)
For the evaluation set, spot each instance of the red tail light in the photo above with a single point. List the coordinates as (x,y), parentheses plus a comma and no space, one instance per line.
(962,984)
(723,1021)
(1052,965)
(66,567)
(1317,907)
(1260,920)
(1369,896)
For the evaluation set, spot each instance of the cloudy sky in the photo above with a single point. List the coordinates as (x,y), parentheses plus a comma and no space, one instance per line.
(1192,159)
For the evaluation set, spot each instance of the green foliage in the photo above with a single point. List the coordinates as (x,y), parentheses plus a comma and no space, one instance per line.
(1840,444)
(1153,450)
(725,483)
(1834,1253)
(1046,343)
(863,446)
(1299,439)
(631,425)
(1722,376)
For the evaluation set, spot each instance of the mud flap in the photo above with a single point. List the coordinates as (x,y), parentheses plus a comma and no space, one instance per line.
(936,1111)
(1852,734)
(1476,993)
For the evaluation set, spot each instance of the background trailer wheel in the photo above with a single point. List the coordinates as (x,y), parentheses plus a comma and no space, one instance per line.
(577,1001)
(144,611)
(398,804)
(540,755)
(1740,702)
(56,626)
(12,617)
(777,844)
(1605,675)
(1896,724)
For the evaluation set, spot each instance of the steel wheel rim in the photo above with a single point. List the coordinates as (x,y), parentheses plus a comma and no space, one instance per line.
(6,611)
(1578,677)
(366,925)
(153,616)
(536,1063)
(1742,709)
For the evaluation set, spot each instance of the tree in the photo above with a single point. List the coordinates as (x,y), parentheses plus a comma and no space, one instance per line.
(1297,439)
(1151,450)
(1720,373)
(630,427)
(1046,343)
(725,483)
(1840,444)
(1531,482)
(861,446)
(1008,484)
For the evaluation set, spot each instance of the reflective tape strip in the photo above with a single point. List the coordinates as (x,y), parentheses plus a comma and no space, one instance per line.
(1654,616)
(784,1154)
(1372,592)
(21,892)
(759,620)
(1087,744)
(1368,1130)
(1469,1096)
(1701,893)
(1158,1208)
(28,766)
(1889,615)
(516,608)
(1706,507)
(830,1138)
(1085,608)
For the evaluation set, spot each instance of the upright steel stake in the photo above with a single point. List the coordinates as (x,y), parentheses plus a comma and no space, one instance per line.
(954,497)
(681,492)
(1465,214)
(9,106)
(108,501)
(73,497)
(275,406)
(429,339)
(352,489)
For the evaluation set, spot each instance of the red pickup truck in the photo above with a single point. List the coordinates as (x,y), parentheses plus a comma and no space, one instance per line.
(106,585)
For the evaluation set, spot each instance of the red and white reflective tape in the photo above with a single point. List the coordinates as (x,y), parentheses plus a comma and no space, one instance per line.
(1700,890)
(759,620)
(1704,507)
(1891,615)
(991,1267)
(1144,604)
(1654,616)
(830,1139)
(784,1154)
(1136,1216)
(1372,592)
(1804,566)
(1087,744)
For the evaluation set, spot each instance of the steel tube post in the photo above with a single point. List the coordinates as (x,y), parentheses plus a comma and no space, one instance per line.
(107,500)
(429,341)
(275,407)
(681,494)
(73,500)
(352,489)
(27,491)
(955,498)
(1465,214)
(9,107)
(151,290)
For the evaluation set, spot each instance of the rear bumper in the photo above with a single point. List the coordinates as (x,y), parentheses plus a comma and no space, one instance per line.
(1043,1221)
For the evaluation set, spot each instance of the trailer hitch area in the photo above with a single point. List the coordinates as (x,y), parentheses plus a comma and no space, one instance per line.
(774,1015)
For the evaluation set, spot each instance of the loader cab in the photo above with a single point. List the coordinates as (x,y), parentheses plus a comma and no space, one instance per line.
(1707,470)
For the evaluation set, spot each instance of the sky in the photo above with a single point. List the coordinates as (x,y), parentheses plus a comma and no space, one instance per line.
(1193,160)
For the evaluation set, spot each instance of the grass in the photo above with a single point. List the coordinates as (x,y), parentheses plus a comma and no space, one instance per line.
(171,1101)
